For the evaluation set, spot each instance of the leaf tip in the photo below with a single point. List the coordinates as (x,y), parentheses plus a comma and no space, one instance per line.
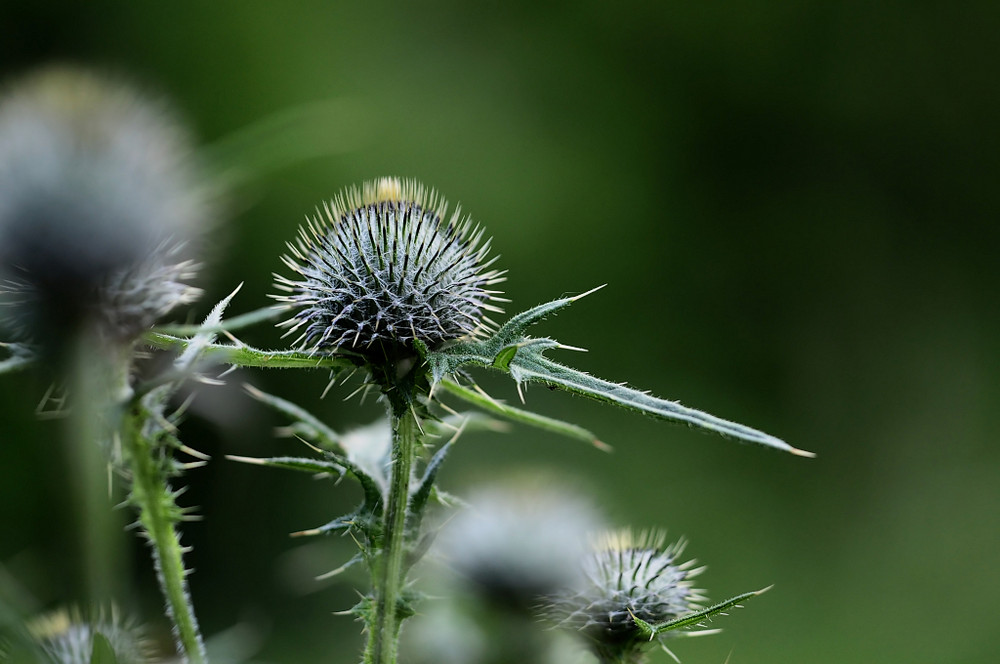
(802,453)
(602,446)
(583,295)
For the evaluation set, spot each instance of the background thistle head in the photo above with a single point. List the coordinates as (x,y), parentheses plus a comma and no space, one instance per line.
(628,576)
(67,636)
(384,266)
(98,196)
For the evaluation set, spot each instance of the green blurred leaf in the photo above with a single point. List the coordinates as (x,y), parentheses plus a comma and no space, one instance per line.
(102,652)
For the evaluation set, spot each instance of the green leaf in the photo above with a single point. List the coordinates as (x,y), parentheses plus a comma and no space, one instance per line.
(535,367)
(312,428)
(419,498)
(372,491)
(490,405)
(693,619)
(242,355)
(511,351)
(102,652)
(230,325)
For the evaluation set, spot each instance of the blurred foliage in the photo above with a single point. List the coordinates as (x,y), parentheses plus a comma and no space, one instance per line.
(794,205)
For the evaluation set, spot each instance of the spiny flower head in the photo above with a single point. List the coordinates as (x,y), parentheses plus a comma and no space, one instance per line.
(67,637)
(383,267)
(628,576)
(98,195)
(516,543)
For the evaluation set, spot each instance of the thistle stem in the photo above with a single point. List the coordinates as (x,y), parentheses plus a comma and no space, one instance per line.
(158,514)
(384,628)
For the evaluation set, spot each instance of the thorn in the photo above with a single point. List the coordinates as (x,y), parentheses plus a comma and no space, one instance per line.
(576,348)
(308,444)
(461,428)
(602,446)
(583,295)
(802,453)
(251,460)
(195,453)
(520,393)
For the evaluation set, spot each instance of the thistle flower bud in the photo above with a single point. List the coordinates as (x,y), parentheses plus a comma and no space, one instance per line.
(97,198)
(627,576)
(383,267)
(515,544)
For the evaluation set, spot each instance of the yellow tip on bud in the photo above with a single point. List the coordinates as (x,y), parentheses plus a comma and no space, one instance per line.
(388,189)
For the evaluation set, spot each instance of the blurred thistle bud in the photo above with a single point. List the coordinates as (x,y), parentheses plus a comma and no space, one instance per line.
(516,544)
(383,267)
(67,637)
(98,198)
(627,576)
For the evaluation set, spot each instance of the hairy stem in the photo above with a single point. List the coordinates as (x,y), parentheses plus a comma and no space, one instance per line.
(384,627)
(158,514)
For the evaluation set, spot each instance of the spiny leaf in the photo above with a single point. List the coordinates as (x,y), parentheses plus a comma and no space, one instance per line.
(534,367)
(229,325)
(509,350)
(419,498)
(204,335)
(693,619)
(321,433)
(485,402)
(373,494)
(245,356)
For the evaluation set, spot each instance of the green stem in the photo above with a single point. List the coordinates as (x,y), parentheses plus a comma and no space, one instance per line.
(384,628)
(158,514)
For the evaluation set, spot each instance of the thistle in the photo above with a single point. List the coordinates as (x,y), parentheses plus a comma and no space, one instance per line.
(632,581)
(70,637)
(383,268)
(98,197)
(516,544)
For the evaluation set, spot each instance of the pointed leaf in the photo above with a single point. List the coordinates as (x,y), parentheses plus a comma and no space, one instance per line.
(419,498)
(693,619)
(321,434)
(373,494)
(240,322)
(484,401)
(523,358)
(245,356)
(205,335)
(346,522)
(534,367)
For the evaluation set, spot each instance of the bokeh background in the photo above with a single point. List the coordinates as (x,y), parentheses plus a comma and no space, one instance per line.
(794,206)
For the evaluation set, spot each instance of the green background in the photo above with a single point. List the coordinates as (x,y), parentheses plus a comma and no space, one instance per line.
(794,206)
